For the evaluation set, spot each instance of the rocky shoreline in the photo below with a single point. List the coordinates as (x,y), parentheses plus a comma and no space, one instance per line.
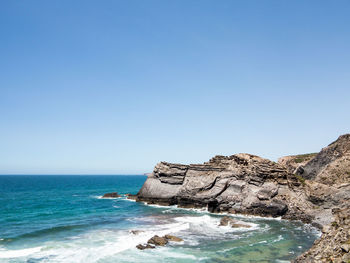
(313,188)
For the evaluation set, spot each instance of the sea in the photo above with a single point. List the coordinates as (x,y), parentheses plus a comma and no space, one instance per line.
(61,218)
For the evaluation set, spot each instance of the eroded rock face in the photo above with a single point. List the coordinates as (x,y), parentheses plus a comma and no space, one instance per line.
(293,162)
(331,165)
(241,183)
(158,241)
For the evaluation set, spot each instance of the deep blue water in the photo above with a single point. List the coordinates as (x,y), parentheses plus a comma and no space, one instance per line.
(63,219)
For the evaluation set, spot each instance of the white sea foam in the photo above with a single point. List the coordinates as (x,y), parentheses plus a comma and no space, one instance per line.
(16,253)
(101,197)
(205,211)
(95,245)
(127,199)
(279,238)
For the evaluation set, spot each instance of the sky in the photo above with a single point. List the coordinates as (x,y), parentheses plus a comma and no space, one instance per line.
(114,87)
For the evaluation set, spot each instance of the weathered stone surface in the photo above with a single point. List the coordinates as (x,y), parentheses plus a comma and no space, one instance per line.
(242,182)
(158,241)
(142,247)
(293,162)
(111,195)
(331,165)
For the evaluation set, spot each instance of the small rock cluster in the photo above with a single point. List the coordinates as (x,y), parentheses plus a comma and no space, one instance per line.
(158,241)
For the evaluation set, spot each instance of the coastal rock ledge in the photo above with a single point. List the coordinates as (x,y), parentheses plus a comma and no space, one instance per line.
(314,193)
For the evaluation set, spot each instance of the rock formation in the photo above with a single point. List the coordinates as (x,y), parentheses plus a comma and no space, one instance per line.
(293,162)
(111,195)
(159,241)
(313,188)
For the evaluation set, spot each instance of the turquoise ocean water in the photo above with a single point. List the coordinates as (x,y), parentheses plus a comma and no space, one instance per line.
(63,219)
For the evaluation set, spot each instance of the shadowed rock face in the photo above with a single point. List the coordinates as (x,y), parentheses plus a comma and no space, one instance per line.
(293,162)
(241,183)
(331,165)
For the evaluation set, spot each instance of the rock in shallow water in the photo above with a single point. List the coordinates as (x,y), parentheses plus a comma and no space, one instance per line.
(142,247)
(111,195)
(158,241)
(173,238)
(228,221)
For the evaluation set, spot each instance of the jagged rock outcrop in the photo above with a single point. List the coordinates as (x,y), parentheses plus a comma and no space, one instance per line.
(331,165)
(314,188)
(293,162)
(241,183)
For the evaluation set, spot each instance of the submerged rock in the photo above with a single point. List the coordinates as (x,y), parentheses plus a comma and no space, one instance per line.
(173,238)
(228,221)
(236,225)
(111,195)
(225,221)
(136,232)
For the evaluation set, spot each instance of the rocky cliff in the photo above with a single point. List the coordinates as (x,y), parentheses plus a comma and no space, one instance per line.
(312,188)
(293,162)
(241,183)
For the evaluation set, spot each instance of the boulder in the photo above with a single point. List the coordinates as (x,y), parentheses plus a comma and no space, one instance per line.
(158,241)
(142,247)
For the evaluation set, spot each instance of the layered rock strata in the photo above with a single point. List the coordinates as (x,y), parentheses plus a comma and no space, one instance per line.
(241,183)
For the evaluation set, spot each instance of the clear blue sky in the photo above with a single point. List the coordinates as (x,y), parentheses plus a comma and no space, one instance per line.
(117,86)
